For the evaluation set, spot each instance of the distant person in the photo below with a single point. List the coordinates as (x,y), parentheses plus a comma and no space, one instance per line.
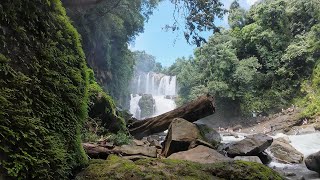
(305,121)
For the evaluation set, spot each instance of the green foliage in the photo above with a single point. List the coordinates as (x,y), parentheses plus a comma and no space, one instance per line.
(145,62)
(119,168)
(107,28)
(262,61)
(43,91)
(102,110)
(120,138)
(236,18)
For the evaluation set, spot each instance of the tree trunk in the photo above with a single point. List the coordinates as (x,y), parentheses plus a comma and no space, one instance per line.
(193,111)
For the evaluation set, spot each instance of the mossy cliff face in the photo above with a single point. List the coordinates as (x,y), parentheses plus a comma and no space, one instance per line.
(43,91)
(117,168)
(102,109)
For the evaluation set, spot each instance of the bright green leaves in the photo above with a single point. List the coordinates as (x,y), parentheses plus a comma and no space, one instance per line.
(262,64)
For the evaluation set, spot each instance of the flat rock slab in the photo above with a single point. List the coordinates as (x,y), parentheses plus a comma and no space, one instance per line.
(200,154)
(137,150)
(252,145)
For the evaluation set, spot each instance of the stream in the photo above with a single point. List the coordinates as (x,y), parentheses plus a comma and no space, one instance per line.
(306,144)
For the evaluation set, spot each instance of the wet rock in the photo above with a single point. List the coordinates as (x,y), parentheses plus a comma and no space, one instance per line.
(285,153)
(289,174)
(209,135)
(299,130)
(284,139)
(181,134)
(248,158)
(313,162)
(250,146)
(200,154)
(306,130)
(265,158)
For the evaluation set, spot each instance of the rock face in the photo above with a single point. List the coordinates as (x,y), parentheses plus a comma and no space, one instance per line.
(313,162)
(200,154)
(209,135)
(181,134)
(250,146)
(146,104)
(285,153)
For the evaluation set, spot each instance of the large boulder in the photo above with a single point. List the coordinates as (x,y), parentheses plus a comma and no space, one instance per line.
(313,162)
(152,168)
(284,152)
(146,104)
(200,154)
(209,135)
(181,134)
(252,145)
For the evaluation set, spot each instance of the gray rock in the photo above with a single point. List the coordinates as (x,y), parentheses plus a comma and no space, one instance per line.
(252,145)
(313,162)
(285,153)
(265,158)
(200,154)
(210,135)
(181,134)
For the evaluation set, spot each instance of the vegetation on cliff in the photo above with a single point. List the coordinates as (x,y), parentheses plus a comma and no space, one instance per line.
(43,91)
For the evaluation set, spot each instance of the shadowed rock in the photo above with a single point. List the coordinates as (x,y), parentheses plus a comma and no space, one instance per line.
(252,145)
(313,162)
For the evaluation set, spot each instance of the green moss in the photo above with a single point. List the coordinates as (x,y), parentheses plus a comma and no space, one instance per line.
(243,170)
(118,168)
(43,91)
(102,109)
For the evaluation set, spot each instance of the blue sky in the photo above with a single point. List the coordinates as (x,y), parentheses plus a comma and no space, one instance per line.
(168,46)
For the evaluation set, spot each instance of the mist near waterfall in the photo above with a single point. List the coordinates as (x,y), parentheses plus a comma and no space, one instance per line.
(160,86)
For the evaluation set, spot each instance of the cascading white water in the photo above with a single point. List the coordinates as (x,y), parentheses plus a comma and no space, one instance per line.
(138,86)
(160,87)
(134,106)
(147,83)
(306,144)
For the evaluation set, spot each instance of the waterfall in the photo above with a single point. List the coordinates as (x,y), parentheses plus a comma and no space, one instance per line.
(134,106)
(138,86)
(147,83)
(160,86)
(152,85)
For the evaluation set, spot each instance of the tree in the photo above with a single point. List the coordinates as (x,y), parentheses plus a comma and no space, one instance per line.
(237,15)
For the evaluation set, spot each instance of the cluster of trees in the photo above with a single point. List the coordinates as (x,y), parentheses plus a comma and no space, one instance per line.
(145,62)
(269,54)
(106,28)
